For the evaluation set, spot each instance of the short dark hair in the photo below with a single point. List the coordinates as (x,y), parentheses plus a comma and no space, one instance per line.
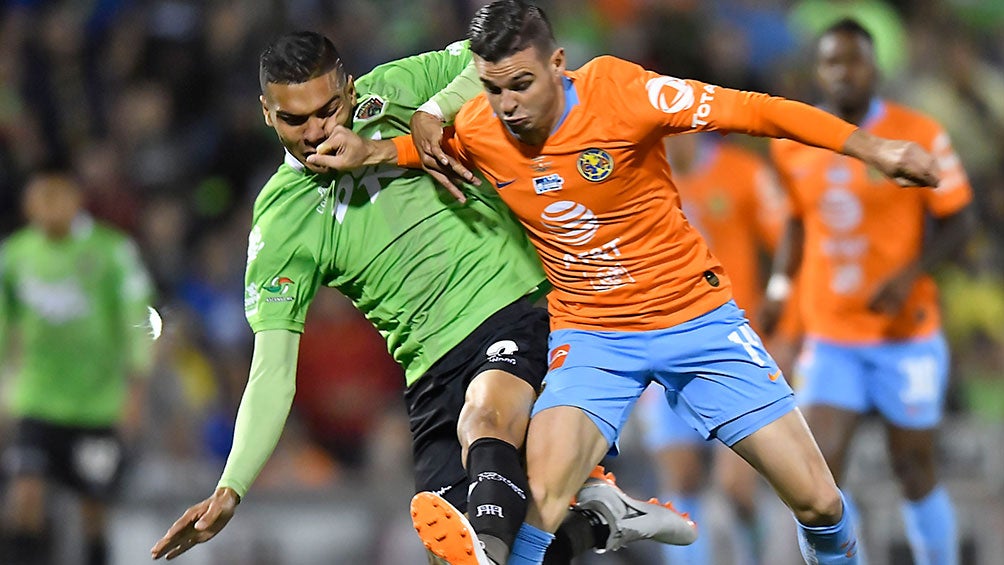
(505,27)
(850,26)
(297,57)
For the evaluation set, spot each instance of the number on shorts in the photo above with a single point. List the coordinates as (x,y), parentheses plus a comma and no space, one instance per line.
(921,379)
(745,337)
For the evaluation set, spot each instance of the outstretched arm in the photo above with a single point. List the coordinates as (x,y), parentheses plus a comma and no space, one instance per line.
(260,419)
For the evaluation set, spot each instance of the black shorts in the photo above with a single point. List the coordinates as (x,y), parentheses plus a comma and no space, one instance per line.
(513,340)
(89,461)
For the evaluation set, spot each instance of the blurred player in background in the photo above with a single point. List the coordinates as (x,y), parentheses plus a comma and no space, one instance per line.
(731,196)
(637,298)
(870,308)
(74,326)
(450,287)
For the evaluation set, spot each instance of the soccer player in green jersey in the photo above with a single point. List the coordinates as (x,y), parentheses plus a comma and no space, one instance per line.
(450,287)
(73,307)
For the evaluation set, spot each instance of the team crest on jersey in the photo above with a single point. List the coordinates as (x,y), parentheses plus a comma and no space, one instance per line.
(595,165)
(370,108)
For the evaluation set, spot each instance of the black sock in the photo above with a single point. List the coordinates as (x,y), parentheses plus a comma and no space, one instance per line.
(581,531)
(97,552)
(498,499)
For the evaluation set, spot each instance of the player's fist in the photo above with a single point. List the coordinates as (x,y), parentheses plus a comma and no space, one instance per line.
(905,162)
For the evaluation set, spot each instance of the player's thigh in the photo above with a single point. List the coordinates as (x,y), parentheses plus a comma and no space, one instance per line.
(785,454)
(600,373)
(509,361)
(497,404)
(909,381)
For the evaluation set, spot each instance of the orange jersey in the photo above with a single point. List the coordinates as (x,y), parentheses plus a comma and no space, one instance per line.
(861,228)
(731,196)
(597,200)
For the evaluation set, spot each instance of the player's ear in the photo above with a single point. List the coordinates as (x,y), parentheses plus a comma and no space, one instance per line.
(265,112)
(558,61)
(350,90)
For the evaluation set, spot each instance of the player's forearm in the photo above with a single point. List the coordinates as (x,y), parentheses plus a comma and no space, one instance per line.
(787,260)
(446,103)
(760,114)
(264,407)
(380,152)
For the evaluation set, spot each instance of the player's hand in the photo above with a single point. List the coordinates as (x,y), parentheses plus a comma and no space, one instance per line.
(892,294)
(200,523)
(769,315)
(427,135)
(905,162)
(344,150)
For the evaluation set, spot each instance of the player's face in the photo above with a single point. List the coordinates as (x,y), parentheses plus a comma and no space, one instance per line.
(304,114)
(846,71)
(51,203)
(525,91)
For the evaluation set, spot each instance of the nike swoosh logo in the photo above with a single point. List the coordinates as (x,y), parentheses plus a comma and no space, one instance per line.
(774,376)
(505,184)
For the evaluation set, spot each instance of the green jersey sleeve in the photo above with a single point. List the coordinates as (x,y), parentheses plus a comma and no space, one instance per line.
(447,102)
(283,271)
(410,82)
(264,408)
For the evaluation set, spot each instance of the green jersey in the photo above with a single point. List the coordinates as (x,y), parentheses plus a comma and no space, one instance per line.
(423,268)
(77,309)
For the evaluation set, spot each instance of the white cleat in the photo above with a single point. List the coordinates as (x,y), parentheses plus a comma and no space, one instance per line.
(630,519)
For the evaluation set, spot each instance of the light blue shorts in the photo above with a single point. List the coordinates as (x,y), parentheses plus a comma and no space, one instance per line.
(905,381)
(718,377)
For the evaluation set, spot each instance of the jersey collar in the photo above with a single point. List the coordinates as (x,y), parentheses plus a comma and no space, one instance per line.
(292,161)
(571,100)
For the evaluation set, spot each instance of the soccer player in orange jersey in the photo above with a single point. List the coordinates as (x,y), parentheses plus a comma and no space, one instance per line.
(638,297)
(870,308)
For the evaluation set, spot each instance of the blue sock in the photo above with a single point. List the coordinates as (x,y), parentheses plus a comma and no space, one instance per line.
(530,546)
(930,528)
(697,553)
(829,545)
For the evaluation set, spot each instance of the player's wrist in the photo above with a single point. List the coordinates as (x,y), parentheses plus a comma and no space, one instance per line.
(381,152)
(432,107)
(778,287)
(227,492)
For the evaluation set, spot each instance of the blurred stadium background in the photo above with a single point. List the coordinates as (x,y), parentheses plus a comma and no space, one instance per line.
(154,103)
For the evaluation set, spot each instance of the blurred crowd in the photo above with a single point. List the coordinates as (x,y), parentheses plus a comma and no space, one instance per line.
(154,104)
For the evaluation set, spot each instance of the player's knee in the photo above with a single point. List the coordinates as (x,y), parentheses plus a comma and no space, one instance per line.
(484,419)
(823,508)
